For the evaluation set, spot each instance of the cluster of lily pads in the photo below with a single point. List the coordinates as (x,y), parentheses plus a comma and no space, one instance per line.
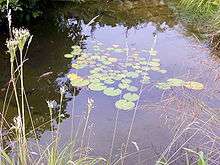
(174,82)
(115,76)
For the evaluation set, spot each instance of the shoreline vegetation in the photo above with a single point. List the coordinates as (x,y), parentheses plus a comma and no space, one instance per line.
(202,15)
(17,44)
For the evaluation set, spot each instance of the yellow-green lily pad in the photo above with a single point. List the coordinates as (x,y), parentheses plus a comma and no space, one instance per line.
(131,97)
(194,85)
(124,105)
(97,86)
(112,91)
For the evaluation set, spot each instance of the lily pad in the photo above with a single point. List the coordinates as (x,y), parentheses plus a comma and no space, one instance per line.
(68,56)
(131,97)
(80,83)
(175,82)
(194,85)
(97,86)
(112,91)
(153,63)
(112,59)
(127,81)
(124,105)
(155,68)
(123,85)
(132,74)
(132,88)
(163,86)
(109,81)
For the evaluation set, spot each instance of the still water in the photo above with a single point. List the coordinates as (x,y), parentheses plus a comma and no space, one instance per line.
(143,41)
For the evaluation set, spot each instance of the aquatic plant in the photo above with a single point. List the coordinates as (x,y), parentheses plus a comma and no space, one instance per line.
(109,74)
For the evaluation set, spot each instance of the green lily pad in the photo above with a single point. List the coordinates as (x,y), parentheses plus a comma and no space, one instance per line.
(124,105)
(156,59)
(131,97)
(94,80)
(112,59)
(127,81)
(132,74)
(112,91)
(155,68)
(78,66)
(143,62)
(163,86)
(68,56)
(175,82)
(194,85)
(80,83)
(76,50)
(123,85)
(109,81)
(97,86)
(153,63)
(132,88)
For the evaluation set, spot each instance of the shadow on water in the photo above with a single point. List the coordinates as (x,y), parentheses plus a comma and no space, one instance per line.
(131,23)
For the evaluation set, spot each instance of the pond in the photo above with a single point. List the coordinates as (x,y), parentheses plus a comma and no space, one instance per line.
(147,86)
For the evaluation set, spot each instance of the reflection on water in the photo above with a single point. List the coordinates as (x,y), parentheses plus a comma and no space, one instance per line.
(125,33)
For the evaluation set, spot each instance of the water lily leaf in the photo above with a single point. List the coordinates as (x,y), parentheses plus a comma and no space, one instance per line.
(111,59)
(73,76)
(143,62)
(194,85)
(156,59)
(131,97)
(124,105)
(163,86)
(97,86)
(132,88)
(94,80)
(153,63)
(78,66)
(112,91)
(155,68)
(132,74)
(68,56)
(175,82)
(109,81)
(80,83)
(123,85)
(127,81)
(76,50)
(136,67)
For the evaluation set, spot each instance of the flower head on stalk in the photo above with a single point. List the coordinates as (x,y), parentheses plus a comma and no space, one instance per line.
(52,104)
(12,46)
(21,35)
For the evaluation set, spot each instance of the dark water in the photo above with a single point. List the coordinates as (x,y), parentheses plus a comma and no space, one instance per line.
(137,26)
